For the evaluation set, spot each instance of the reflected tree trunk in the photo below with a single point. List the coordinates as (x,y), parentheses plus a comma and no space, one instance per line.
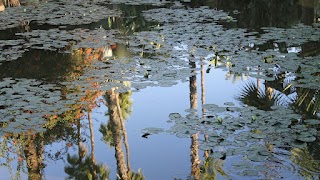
(81,149)
(9,3)
(308,12)
(193,88)
(124,132)
(2,8)
(33,151)
(269,92)
(112,99)
(202,88)
(93,159)
(195,161)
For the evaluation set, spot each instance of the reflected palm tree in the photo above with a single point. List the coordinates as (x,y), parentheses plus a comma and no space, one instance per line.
(117,129)
(116,125)
(252,95)
(115,118)
(306,101)
(125,110)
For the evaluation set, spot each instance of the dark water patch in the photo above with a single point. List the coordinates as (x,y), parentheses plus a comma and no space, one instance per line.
(257,14)
(41,65)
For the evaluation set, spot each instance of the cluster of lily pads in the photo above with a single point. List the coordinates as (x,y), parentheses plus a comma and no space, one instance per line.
(204,36)
(249,133)
(27,103)
(139,2)
(56,13)
(11,49)
(58,39)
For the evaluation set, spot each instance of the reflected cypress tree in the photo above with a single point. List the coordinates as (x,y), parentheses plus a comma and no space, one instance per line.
(81,167)
(84,166)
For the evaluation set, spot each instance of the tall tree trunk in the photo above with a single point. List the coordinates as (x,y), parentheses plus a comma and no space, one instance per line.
(33,151)
(93,160)
(2,8)
(193,88)
(269,92)
(202,88)
(195,161)
(125,135)
(81,152)
(195,167)
(114,117)
(308,12)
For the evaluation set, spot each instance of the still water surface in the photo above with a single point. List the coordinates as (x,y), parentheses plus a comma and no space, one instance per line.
(139,141)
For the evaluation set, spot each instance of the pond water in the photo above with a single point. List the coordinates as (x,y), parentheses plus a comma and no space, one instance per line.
(152,89)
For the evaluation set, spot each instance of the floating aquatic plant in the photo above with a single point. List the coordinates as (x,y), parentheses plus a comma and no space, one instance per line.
(257,140)
(55,13)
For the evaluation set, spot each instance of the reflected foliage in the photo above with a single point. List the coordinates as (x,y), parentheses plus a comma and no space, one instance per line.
(252,95)
(211,167)
(82,168)
(307,101)
(256,14)
(125,106)
(49,65)
(304,159)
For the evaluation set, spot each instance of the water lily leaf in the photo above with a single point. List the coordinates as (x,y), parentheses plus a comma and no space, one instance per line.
(256,157)
(298,144)
(312,121)
(249,173)
(152,130)
(229,103)
(306,139)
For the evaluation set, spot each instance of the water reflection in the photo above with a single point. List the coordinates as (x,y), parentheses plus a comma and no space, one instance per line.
(75,124)
(256,14)
(118,132)
(43,65)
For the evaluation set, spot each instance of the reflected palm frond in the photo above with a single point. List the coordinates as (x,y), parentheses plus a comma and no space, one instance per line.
(211,167)
(106,134)
(136,176)
(306,101)
(252,95)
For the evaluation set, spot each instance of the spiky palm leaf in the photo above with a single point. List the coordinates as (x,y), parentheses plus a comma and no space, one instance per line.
(252,95)
(307,101)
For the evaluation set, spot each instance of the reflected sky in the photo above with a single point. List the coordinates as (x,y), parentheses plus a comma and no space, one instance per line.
(160,156)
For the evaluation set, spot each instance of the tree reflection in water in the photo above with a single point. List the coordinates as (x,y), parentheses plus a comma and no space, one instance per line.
(118,131)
